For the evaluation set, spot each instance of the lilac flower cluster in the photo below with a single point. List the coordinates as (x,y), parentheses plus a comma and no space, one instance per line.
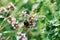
(21,36)
(10,6)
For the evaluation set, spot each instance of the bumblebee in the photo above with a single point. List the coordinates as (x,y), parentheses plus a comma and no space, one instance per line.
(26,23)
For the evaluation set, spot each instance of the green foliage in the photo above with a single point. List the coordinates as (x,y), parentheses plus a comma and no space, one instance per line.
(47,25)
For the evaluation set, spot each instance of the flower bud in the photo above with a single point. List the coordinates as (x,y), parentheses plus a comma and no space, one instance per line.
(10,6)
(2,9)
(21,36)
(31,17)
(1,38)
(13,22)
(23,14)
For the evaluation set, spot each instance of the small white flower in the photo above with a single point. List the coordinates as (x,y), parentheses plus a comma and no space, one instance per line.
(21,36)
(24,38)
(18,37)
(14,23)
(13,19)
(11,6)
(3,9)
(23,14)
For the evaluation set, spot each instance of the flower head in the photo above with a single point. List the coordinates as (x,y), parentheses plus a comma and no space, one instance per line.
(2,9)
(21,36)
(12,21)
(23,14)
(10,6)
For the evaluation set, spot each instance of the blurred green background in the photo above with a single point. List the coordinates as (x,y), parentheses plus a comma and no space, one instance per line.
(47,24)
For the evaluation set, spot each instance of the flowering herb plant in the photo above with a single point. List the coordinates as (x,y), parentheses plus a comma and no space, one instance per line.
(29,20)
